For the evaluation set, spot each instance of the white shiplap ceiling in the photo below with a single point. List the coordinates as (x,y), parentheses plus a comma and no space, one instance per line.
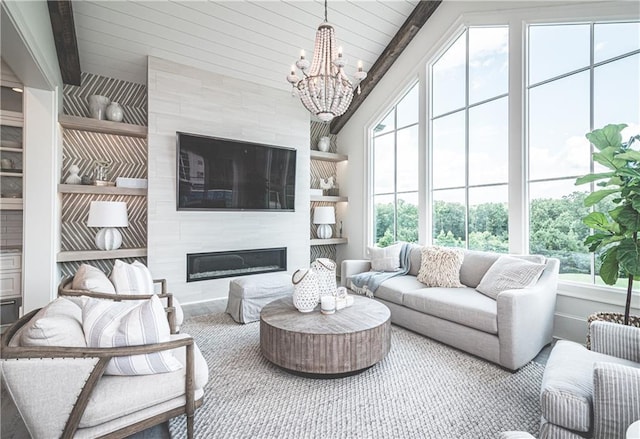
(250,40)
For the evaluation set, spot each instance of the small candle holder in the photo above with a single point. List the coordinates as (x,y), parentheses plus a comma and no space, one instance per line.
(327,304)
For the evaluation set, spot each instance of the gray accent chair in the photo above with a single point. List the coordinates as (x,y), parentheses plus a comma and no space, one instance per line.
(592,393)
(509,331)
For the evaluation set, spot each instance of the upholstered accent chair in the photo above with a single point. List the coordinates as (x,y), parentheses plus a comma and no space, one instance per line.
(63,386)
(592,393)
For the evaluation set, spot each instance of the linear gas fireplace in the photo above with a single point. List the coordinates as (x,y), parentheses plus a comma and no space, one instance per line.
(203,266)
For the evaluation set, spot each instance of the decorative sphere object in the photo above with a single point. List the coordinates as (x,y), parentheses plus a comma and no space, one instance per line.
(325,231)
(324,143)
(306,294)
(109,238)
(98,106)
(114,112)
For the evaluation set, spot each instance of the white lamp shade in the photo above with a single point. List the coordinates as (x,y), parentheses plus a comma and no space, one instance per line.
(108,214)
(324,215)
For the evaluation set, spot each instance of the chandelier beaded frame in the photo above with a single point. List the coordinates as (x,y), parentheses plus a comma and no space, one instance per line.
(325,90)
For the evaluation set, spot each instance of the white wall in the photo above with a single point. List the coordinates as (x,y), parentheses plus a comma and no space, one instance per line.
(187,99)
(573,306)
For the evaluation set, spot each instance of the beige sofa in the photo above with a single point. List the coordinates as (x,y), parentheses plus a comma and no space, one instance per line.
(60,388)
(509,331)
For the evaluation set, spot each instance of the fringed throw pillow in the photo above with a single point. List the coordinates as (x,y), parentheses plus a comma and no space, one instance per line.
(440,267)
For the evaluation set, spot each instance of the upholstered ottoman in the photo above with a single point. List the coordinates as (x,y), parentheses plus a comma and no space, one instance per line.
(247,295)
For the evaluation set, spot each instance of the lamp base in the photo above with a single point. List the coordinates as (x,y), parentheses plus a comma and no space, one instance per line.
(108,238)
(325,231)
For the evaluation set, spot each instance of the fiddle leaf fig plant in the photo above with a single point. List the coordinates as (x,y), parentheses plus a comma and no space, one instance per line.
(615,234)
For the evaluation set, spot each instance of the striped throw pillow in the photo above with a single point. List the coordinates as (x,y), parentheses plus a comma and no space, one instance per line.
(131,278)
(114,324)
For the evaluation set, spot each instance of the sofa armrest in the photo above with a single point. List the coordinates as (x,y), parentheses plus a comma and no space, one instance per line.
(616,340)
(351,267)
(525,318)
(616,399)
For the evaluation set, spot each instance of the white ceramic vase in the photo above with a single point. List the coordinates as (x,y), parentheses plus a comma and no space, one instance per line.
(114,112)
(324,143)
(98,106)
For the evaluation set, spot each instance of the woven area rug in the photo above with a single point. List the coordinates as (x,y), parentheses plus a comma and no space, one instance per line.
(422,389)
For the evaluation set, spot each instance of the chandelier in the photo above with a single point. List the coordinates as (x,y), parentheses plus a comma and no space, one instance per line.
(325,90)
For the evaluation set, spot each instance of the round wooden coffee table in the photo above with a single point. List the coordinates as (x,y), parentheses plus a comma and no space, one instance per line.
(346,342)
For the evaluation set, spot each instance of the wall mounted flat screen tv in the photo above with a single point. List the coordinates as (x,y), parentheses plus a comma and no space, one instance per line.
(224,174)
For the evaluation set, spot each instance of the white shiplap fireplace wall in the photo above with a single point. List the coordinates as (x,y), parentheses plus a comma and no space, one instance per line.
(187,99)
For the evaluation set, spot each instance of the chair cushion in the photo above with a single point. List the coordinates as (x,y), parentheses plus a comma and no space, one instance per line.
(114,324)
(392,290)
(118,396)
(386,258)
(440,267)
(508,273)
(616,399)
(92,279)
(57,324)
(132,278)
(460,305)
(567,385)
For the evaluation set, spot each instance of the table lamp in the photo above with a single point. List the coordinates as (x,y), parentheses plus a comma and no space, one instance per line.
(108,215)
(323,216)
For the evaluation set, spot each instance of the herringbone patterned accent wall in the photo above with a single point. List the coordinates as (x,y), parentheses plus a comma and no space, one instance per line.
(131,97)
(127,157)
(106,265)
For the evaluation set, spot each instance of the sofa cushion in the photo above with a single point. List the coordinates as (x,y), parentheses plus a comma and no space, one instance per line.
(385,258)
(508,273)
(461,305)
(476,263)
(393,289)
(415,258)
(567,385)
(92,279)
(616,399)
(57,324)
(117,396)
(440,267)
(115,324)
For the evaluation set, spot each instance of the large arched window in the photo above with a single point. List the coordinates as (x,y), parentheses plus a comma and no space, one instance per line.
(395,173)
(469,141)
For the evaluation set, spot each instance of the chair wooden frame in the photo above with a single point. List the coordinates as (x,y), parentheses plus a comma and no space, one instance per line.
(104,355)
(64,289)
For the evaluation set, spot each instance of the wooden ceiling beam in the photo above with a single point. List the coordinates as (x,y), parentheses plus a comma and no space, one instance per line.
(408,30)
(64,35)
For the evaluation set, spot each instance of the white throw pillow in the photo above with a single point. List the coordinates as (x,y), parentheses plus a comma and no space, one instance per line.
(385,258)
(507,273)
(114,324)
(92,279)
(136,278)
(440,267)
(132,278)
(57,324)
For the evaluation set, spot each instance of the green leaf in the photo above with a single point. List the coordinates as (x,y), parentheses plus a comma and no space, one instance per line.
(606,157)
(607,136)
(609,268)
(629,218)
(630,155)
(628,256)
(598,221)
(628,172)
(594,241)
(593,177)
(595,197)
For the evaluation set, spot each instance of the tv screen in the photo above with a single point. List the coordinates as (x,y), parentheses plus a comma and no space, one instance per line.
(218,174)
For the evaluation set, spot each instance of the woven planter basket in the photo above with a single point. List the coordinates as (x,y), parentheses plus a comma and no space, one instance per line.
(613,317)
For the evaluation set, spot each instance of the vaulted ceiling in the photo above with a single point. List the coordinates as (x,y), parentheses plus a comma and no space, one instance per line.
(255,41)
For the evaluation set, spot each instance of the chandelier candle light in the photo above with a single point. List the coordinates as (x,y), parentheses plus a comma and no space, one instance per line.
(109,215)
(325,90)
